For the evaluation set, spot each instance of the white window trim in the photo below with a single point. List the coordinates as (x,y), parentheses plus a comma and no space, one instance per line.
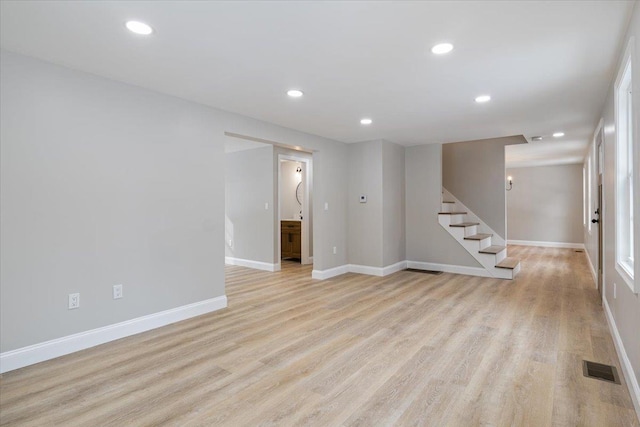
(623,267)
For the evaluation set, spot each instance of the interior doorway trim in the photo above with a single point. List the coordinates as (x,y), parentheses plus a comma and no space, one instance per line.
(267,141)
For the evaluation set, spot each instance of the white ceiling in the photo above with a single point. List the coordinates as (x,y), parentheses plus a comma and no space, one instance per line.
(546,64)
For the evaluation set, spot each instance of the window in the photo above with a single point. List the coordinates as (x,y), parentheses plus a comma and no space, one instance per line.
(624,172)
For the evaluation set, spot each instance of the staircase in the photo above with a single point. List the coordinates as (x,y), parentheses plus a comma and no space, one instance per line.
(453,217)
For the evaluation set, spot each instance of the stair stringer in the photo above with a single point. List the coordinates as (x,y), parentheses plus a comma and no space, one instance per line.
(471,217)
(488,261)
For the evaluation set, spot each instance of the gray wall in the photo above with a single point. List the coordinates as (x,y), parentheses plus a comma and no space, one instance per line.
(393,204)
(105,183)
(248,186)
(377,227)
(625,307)
(474,172)
(545,204)
(426,240)
(365,219)
(102,184)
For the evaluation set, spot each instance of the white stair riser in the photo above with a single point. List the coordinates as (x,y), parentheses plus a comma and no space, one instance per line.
(448,207)
(503,273)
(488,261)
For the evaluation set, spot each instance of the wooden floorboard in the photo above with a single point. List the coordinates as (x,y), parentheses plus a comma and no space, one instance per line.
(408,349)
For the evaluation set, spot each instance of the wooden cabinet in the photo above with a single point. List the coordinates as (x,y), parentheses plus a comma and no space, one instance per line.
(290,239)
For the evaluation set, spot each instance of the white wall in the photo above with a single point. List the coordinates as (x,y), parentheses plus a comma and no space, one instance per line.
(105,183)
(545,204)
(289,180)
(625,305)
(248,186)
(426,240)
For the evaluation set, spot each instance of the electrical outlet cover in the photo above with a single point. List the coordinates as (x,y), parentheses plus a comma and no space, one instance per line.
(117,291)
(74,301)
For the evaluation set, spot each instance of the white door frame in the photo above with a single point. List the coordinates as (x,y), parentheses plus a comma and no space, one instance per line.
(305,229)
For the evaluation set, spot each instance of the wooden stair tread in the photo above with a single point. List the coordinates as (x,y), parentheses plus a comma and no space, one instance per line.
(448,201)
(452,213)
(509,263)
(494,249)
(478,236)
(464,224)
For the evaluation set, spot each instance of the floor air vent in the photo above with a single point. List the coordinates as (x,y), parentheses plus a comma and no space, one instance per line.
(579,250)
(415,270)
(600,372)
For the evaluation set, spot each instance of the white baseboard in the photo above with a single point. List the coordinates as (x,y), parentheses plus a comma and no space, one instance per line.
(448,268)
(546,244)
(360,269)
(393,268)
(627,368)
(258,265)
(332,272)
(377,271)
(592,269)
(40,352)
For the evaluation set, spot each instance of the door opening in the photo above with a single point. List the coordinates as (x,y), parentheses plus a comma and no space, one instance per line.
(598,220)
(295,217)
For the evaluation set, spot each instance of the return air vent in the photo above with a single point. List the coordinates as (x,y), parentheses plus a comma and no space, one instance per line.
(415,270)
(600,372)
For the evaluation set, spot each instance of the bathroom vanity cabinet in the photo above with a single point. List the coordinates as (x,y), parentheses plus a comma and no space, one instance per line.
(290,239)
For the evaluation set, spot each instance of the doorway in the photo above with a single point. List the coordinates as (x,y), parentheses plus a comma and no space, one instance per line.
(598,220)
(295,217)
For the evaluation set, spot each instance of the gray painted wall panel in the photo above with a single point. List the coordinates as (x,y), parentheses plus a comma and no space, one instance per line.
(105,183)
(248,186)
(545,204)
(393,205)
(365,219)
(625,307)
(474,172)
(427,241)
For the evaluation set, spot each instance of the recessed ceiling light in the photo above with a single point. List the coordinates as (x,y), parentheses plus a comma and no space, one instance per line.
(536,138)
(558,134)
(295,93)
(366,121)
(442,48)
(139,28)
(483,98)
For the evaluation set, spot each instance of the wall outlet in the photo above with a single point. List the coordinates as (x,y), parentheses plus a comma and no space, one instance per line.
(335,250)
(615,291)
(117,291)
(266,206)
(230,243)
(74,301)
(326,206)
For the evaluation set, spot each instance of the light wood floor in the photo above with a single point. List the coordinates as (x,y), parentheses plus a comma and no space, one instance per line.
(406,349)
